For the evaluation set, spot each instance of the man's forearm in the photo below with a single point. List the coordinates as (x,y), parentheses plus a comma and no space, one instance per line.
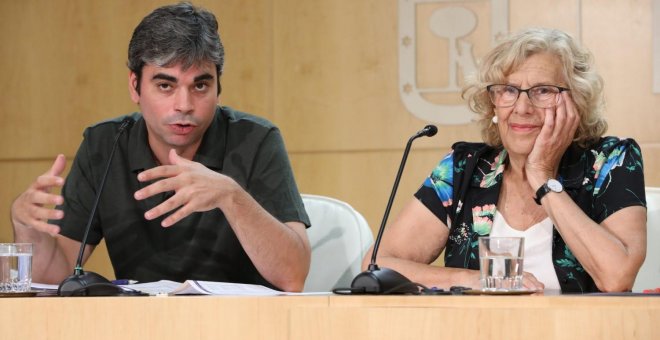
(44,253)
(279,251)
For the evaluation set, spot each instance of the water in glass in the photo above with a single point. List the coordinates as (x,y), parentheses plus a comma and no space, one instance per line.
(15,271)
(501,273)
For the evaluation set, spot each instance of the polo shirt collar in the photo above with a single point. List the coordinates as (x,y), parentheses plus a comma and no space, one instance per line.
(211,151)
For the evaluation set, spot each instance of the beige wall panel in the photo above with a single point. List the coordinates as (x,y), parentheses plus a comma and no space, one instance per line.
(525,13)
(619,35)
(64,69)
(336,77)
(246,30)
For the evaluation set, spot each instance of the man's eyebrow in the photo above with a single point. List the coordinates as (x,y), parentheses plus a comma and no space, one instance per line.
(205,76)
(164,76)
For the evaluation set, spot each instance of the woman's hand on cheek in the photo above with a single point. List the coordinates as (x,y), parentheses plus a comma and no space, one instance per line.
(559,126)
(567,121)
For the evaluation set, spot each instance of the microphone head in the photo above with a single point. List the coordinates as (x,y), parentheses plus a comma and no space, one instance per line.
(126,123)
(429,130)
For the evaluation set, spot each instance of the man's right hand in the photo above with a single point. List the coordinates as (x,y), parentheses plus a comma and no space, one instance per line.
(29,211)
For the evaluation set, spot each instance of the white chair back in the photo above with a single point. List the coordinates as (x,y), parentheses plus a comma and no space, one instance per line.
(649,275)
(339,236)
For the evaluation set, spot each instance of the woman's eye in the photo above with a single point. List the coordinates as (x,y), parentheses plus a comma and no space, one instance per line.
(510,90)
(544,90)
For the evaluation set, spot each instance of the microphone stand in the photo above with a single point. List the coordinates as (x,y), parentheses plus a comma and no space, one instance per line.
(83,283)
(376,280)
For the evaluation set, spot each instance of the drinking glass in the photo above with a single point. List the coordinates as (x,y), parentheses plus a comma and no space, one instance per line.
(501,263)
(15,267)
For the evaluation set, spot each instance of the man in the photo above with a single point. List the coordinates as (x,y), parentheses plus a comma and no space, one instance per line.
(195,191)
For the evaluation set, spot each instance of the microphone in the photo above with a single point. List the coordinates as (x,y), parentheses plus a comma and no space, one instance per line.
(83,283)
(384,281)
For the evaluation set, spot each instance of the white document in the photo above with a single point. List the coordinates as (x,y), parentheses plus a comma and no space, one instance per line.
(194,287)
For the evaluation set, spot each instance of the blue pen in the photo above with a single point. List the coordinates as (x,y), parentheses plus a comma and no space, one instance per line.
(124,282)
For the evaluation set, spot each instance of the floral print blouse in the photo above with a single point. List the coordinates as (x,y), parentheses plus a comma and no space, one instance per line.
(463,189)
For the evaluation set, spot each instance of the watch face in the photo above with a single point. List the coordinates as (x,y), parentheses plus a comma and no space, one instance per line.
(554,185)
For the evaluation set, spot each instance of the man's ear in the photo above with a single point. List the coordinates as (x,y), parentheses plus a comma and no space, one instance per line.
(133,87)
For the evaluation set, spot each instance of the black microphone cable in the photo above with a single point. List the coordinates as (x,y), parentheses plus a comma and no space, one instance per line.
(78,270)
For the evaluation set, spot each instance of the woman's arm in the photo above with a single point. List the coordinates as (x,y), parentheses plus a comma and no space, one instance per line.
(414,240)
(611,252)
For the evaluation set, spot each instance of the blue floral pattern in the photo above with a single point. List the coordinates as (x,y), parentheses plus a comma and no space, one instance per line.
(441,179)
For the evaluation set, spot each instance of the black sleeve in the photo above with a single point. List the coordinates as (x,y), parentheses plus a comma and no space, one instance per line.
(79,193)
(619,177)
(272,183)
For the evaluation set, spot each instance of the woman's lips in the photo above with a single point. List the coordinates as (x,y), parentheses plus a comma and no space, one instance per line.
(523,127)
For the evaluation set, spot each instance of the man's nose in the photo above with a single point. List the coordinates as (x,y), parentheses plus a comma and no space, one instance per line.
(183,101)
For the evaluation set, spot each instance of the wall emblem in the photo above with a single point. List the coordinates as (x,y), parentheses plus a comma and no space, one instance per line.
(430,86)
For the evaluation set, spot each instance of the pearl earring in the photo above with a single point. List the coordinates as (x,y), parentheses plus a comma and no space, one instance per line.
(494,120)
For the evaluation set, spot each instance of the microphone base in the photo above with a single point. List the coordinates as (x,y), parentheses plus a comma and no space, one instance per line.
(382,281)
(88,284)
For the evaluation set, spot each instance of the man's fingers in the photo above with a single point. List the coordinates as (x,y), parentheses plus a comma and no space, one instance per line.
(173,204)
(45,227)
(32,208)
(37,218)
(169,205)
(47,181)
(42,214)
(174,157)
(58,166)
(51,178)
(178,160)
(163,171)
(164,185)
(177,216)
(44,198)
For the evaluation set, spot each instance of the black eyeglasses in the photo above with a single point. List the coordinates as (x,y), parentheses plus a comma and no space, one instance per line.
(541,96)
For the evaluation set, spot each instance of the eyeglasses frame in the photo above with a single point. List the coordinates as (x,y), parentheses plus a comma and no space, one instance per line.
(560,88)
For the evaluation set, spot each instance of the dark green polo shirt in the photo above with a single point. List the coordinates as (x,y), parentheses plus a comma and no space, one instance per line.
(202,246)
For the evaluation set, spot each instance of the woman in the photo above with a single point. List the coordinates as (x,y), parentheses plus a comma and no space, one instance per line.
(544,173)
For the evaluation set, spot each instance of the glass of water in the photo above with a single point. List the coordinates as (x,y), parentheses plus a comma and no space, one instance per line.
(501,263)
(15,267)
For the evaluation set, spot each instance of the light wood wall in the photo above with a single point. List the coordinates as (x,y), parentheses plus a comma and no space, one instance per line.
(325,71)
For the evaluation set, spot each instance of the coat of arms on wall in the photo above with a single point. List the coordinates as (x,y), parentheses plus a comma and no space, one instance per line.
(437,51)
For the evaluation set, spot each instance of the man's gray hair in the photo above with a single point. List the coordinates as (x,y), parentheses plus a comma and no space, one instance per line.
(180,33)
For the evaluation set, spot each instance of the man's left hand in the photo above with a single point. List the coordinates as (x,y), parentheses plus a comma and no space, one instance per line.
(196,188)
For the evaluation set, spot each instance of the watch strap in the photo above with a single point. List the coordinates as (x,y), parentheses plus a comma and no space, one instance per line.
(542,191)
